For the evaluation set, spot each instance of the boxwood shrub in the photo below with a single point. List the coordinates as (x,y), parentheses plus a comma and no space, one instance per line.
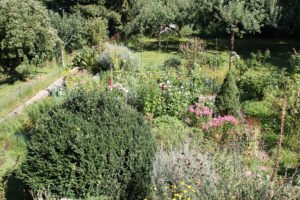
(90,145)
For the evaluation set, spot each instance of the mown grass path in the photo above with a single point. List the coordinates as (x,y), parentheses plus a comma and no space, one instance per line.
(39,96)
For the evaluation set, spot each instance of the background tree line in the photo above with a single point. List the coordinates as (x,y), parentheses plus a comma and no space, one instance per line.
(33,31)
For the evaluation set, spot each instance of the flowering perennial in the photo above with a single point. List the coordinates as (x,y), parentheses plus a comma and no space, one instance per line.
(200,110)
(220,121)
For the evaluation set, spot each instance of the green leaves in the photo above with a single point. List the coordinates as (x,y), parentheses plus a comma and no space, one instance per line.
(71,30)
(25,33)
(240,16)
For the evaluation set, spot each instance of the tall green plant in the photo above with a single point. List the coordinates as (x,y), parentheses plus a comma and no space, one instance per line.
(228,99)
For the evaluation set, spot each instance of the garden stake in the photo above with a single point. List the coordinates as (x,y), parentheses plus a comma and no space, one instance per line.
(111,79)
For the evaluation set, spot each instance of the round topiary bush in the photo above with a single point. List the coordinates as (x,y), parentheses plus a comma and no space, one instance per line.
(90,145)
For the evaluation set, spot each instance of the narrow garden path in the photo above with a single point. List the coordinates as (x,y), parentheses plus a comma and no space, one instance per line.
(39,96)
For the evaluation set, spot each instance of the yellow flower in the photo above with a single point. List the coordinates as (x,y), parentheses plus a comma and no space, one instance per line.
(174,186)
(176,195)
(188,198)
(182,183)
(185,191)
(189,186)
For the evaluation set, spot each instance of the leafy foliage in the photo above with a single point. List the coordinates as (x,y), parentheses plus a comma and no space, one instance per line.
(295,61)
(254,82)
(97,30)
(71,30)
(85,59)
(25,34)
(169,132)
(92,144)
(153,15)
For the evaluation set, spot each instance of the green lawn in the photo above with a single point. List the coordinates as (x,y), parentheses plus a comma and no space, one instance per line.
(151,60)
(280,48)
(12,95)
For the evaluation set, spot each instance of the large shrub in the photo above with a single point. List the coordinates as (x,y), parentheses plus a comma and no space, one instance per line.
(254,82)
(91,144)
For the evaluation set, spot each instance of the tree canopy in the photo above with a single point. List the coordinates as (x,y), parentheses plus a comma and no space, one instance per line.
(26,33)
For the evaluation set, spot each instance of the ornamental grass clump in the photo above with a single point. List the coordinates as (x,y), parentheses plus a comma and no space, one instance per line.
(118,58)
(92,144)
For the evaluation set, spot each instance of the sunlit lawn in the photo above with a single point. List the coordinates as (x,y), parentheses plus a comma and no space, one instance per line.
(15,94)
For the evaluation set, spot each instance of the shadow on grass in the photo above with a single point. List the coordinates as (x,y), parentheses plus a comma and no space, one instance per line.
(166,46)
(280,48)
(15,189)
(11,79)
(287,171)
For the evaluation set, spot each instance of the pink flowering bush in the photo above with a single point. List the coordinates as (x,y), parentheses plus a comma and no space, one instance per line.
(198,114)
(221,127)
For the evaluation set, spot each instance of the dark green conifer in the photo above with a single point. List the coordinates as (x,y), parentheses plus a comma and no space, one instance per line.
(228,99)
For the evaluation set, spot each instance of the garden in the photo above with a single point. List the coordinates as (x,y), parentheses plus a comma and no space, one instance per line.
(156,111)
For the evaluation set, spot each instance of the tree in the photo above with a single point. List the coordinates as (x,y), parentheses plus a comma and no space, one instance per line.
(228,100)
(90,145)
(240,17)
(153,17)
(26,34)
(71,30)
(290,20)
(273,13)
(182,11)
(105,9)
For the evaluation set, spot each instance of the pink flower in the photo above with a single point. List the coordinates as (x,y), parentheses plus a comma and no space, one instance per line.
(200,110)
(220,121)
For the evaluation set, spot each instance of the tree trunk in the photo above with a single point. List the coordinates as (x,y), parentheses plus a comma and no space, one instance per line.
(277,159)
(232,40)
(159,41)
(63,57)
